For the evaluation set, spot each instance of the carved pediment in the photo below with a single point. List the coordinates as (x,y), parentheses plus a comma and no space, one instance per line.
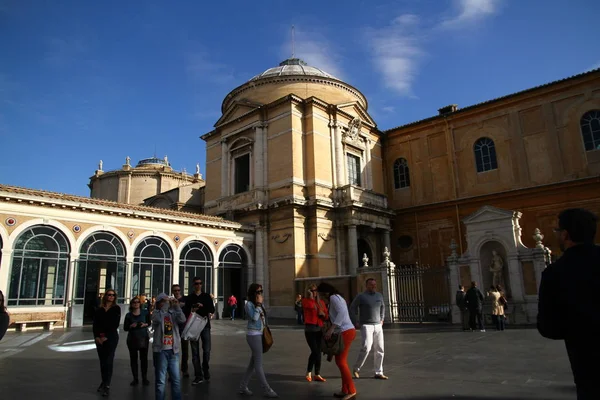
(489,213)
(236,110)
(356,110)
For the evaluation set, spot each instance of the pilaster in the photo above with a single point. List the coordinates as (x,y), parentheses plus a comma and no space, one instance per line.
(352,250)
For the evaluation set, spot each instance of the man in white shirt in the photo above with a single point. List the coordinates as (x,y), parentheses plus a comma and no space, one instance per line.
(367,312)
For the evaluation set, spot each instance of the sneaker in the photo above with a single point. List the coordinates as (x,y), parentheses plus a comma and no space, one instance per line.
(483,330)
(355,374)
(380,376)
(340,395)
(134,382)
(197,381)
(349,396)
(101,387)
(270,394)
(245,391)
(106,391)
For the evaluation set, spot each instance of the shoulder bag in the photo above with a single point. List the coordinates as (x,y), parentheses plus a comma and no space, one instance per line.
(267,336)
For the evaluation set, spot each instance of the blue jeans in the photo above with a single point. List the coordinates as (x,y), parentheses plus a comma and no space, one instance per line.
(163,361)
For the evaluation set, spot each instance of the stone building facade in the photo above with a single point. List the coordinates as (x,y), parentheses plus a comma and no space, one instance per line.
(301,186)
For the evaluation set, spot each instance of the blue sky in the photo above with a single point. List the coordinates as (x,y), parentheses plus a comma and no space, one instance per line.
(82,81)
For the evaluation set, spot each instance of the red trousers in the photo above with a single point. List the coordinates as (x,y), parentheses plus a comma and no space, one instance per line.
(341,361)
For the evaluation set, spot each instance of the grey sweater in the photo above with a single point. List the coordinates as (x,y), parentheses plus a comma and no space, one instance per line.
(368,307)
(177,317)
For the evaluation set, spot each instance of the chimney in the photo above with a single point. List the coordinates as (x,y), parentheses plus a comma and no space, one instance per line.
(448,109)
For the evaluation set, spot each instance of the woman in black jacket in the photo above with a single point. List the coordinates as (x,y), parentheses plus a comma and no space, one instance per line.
(4,317)
(138,338)
(106,324)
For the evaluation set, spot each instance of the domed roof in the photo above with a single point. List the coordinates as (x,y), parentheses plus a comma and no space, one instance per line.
(293,66)
(152,161)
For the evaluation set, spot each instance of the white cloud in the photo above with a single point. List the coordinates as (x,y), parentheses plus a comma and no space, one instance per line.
(389,109)
(397,52)
(470,11)
(400,47)
(315,50)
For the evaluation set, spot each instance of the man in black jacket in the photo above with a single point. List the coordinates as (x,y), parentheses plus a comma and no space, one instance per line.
(462,306)
(474,301)
(569,307)
(202,304)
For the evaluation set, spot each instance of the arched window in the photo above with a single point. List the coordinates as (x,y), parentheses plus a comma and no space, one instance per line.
(232,274)
(152,267)
(401,174)
(101,266)
(196,261)
(590,130)
(38,273)
(485,155)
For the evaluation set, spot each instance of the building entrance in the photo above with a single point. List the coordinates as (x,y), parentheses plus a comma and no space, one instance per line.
(232,272)
(101,266)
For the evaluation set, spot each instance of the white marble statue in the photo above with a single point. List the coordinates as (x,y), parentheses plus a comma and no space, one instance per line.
(100,166)
(127,160)
(496,267)
(197,169)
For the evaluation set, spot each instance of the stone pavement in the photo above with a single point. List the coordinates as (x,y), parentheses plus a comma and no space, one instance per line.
(423,363)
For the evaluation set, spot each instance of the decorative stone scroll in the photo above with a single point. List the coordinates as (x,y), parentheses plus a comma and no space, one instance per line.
(326,236)
(281,239)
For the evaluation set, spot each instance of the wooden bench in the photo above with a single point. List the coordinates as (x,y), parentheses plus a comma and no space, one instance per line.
(21,321)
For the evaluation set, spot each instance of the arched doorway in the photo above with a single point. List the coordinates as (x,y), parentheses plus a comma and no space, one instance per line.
(38,274)
(152,267)
(364,248)
(232,272)
(196,261)
(101,266)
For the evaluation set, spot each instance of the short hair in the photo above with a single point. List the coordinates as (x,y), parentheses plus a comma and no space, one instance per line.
(369,280)
(175,285)
(460,287)
(473,284)
(580,224)
(325,287)
(197,278)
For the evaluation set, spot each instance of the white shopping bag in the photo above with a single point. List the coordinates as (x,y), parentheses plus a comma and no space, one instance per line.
(193,327)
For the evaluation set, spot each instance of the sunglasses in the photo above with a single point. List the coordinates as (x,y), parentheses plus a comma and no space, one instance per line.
(111,295)
(197,283)
(259,292)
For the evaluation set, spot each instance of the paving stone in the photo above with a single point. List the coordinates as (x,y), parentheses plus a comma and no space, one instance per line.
(423,364)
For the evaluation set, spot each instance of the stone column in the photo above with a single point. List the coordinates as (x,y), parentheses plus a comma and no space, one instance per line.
(175,270)
(454,282)
(352,250)
(386,239)
(368,166)
(258,250)
(224,169)
(4,269)
(515,278)
(259,156)
(129,276)
(339,231)
(215,287)
(339,155)
(332,142)
(539,265)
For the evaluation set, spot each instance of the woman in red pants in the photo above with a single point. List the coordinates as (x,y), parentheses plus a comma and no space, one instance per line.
(340,324)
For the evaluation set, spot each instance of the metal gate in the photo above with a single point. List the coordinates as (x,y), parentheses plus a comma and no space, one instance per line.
(420,293)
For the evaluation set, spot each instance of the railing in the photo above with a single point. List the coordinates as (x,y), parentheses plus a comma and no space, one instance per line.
(350,194)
